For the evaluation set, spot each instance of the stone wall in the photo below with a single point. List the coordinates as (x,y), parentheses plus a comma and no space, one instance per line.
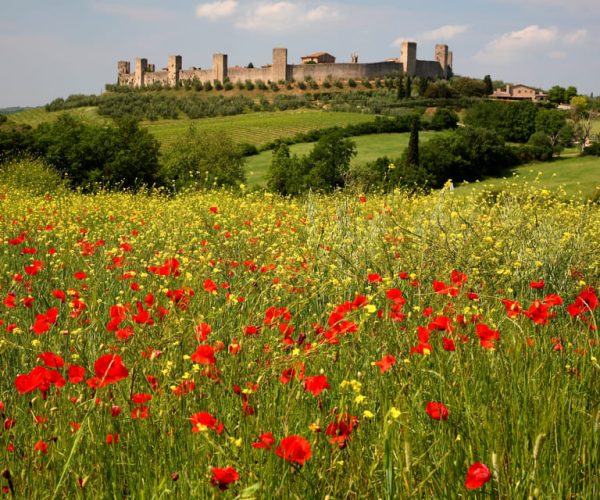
(343,71)
(281,70)
(429,69)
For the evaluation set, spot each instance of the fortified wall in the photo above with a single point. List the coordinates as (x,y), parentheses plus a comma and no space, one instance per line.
(171,76)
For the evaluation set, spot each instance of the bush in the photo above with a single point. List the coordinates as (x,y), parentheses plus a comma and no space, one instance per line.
(593,150)
(351,83)
(3,119)
(249,85)
(33,175)
(207,86)
(443,119)
(203,160)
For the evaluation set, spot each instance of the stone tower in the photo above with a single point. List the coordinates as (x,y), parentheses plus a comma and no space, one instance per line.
(441,56)
(140,71)
(279,68)
(219,67)
(409,58)
(173,70)
(123,67)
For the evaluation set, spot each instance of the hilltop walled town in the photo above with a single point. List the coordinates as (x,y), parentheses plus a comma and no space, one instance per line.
(319,67)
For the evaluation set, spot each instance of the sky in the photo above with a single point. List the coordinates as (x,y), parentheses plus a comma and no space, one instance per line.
(54,48)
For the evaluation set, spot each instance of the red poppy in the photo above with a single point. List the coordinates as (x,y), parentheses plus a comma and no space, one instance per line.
(385,363)
(222,478)
(341,428)
(294,449)
(586,301)
(538,312)
(112,438)
(51,360)
(265,441)
(205,355)
(210,286)
(513,308)
(316,384)
(442,323)
(537,285)
(203,420)
(109,369)
(448,344)
(41,447)
(487,335)
(477,476)
(76,374)
(80,275)
(374,278)
(437,411)
(39,378)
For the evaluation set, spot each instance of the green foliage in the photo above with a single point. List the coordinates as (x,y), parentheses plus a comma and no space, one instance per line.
(412,155)
(489,86)
(3,119)
(551,122)
(556,95)
(470,87)
(466,155)
(325,168)
(203,160)
(515,121)
(593,150)
(443,119)
(32,175)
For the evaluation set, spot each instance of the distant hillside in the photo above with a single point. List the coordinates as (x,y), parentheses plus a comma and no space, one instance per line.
(11,110)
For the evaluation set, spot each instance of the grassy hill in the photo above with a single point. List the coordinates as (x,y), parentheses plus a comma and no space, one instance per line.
(256,128)
(578,176)
(368,148)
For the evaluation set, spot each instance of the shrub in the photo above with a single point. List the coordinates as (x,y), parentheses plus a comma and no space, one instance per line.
(442,119)
(33,175)
(352,83)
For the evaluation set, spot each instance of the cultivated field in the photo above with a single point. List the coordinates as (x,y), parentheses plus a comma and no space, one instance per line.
(256,128)
(344,346)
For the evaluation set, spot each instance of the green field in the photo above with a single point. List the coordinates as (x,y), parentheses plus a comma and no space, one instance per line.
(579,176)
(36,116)
(368,148)
(256,128)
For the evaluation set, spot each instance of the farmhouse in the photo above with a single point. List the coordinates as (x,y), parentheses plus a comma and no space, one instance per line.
(320,66)
(519,93)
(318,58)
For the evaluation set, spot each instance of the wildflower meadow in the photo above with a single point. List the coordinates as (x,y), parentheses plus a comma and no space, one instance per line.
(343,346)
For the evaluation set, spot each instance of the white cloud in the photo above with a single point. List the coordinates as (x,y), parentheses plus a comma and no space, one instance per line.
(132,12)
(517,44)
(284,16)
(447,32)
(576,37)
(217,10)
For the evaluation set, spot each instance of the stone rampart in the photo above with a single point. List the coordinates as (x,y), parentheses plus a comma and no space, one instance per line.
(280,70)
(344,71)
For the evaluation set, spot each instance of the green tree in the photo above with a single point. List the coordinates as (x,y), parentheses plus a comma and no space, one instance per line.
(412,157)
(135,153)
(556,95)
(570,92)
(408,87)
(287,173)
(489,86)
(330,162)
(550,122)
(443,118)
(204,160)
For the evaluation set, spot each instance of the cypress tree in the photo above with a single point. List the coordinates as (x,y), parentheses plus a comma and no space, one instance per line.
(412,156)
(400,90)
(408,89)
(489,86)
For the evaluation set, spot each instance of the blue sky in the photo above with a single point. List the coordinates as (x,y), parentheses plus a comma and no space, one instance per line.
(53,48)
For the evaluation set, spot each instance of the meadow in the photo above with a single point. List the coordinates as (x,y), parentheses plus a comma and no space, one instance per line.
(248,346)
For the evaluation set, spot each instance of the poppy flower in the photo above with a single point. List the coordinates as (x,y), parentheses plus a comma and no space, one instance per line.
(41,447)
(203,420)
(51,360)
(204,355)
(537,285)
(109,369)
(385,363)
(437,411)
(316,384)
(222,478)
(76,374)
(477,476)
(374,278)
(487,335)
(265,441)
(294,449)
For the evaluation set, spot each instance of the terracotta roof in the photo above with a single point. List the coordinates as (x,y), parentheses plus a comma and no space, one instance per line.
(317,54)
